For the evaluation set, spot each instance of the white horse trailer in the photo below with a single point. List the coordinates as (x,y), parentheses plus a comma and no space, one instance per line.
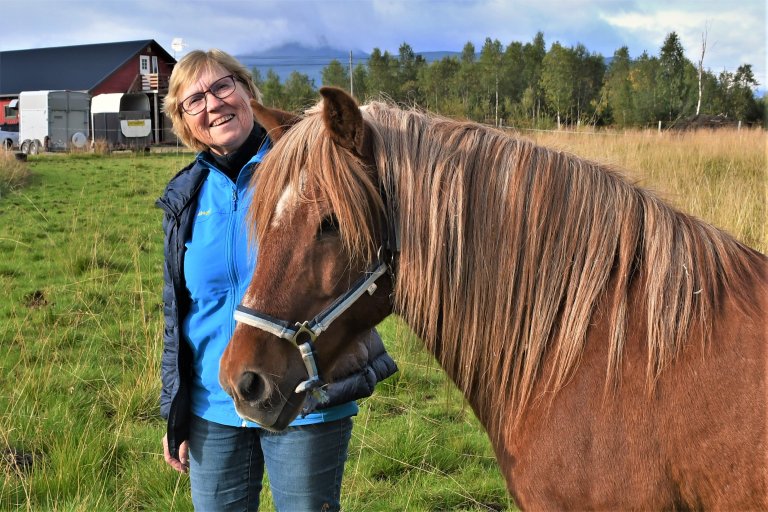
(53,120)
(122,120)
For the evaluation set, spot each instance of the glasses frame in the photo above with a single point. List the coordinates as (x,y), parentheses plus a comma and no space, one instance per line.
(205,95)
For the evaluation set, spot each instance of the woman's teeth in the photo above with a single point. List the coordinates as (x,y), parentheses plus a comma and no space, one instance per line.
(221,120)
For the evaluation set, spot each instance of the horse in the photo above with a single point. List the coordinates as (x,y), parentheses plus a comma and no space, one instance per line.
(612,346)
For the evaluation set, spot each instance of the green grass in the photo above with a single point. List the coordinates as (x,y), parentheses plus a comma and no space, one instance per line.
(80,333)
(80,345)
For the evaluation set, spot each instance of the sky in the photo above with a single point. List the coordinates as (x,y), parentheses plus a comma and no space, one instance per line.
(735,30)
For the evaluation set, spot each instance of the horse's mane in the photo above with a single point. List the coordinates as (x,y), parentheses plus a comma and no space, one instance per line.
(508,247)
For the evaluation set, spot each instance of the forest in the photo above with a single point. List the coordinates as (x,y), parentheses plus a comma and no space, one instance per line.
(527,86)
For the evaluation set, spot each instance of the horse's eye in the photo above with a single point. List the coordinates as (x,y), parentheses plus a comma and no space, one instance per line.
(328,226)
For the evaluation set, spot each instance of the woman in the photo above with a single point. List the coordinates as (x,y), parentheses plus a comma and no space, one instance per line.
(208,264)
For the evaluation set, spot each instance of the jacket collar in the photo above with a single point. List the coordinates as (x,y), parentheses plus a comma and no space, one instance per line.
(183,188)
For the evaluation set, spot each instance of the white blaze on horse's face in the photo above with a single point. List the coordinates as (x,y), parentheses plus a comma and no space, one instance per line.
(286,203)
(288,200)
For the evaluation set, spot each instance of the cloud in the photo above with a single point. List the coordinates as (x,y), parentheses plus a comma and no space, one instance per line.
(736,34)
(727,48)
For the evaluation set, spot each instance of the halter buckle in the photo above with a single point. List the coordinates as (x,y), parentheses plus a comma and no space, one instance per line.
(304,327)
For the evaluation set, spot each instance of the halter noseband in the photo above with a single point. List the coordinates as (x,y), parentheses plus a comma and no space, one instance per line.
(313,328)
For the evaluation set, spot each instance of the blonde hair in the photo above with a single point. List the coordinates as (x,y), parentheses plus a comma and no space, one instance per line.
(188,69)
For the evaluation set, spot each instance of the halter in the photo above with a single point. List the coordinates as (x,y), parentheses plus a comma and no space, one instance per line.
(311,329)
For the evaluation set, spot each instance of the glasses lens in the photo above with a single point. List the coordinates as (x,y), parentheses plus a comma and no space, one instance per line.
(223,87)
(194,104)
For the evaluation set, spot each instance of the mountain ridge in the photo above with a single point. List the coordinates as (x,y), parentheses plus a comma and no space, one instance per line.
(310,60)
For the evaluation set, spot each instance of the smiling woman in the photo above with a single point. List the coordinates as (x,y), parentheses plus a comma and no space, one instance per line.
(208,265)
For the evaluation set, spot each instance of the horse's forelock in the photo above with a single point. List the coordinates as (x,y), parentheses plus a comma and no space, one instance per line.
(305,161)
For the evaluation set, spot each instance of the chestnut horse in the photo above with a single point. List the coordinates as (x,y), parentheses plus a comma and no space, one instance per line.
(613,347)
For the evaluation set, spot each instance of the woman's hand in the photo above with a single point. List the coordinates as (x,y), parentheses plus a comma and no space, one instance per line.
(182,463)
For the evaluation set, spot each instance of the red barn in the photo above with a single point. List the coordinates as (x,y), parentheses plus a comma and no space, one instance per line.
(124,67)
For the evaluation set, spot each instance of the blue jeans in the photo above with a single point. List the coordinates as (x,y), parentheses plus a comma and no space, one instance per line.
(304,464)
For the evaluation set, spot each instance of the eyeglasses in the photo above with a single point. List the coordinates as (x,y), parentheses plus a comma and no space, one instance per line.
(221,88)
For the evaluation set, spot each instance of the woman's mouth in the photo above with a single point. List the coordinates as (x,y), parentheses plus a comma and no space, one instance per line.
(221,120)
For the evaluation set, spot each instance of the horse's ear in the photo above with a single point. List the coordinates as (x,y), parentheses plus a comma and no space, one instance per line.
(343,119)
(275,121)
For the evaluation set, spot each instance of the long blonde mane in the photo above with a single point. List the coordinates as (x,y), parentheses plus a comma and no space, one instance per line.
(507,247)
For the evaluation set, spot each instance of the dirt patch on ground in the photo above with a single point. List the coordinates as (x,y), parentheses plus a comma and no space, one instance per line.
(17,462)
(35,300)
(705,122)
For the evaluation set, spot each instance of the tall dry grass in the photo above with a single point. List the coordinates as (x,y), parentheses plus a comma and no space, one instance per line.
(13,173)
(718,176)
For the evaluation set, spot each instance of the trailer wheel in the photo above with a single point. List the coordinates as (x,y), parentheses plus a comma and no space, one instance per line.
(34,147)
(25,147)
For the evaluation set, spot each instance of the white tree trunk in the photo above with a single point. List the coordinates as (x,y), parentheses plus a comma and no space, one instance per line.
(701,67)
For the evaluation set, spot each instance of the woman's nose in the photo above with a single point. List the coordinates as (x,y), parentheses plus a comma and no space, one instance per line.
(211,101)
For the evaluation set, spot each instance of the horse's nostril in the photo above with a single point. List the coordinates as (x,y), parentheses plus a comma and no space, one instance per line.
(251,386)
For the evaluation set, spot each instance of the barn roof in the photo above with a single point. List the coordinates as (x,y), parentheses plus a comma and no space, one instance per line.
(74,68)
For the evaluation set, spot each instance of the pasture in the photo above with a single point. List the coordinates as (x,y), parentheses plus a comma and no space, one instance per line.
(80,334)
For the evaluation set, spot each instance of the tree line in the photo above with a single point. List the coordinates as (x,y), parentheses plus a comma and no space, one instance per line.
(526,85)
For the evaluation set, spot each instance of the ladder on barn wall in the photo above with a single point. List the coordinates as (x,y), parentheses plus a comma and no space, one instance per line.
(154,82)
(149,82)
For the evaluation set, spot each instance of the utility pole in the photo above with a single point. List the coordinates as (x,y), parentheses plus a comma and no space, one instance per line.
(497,98)
(351,85)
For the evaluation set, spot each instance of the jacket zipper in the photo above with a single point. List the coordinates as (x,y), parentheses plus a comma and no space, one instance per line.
(232,251)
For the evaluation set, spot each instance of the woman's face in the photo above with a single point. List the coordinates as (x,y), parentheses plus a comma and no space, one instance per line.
(224,124)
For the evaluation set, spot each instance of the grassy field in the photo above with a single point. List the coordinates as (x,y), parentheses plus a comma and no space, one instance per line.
(80,335)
